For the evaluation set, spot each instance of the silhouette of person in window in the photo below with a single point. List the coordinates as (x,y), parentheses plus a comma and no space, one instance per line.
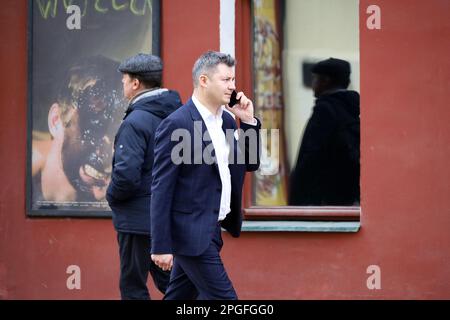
(327,168)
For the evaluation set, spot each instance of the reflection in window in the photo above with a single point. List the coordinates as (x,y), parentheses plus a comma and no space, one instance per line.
(313,30)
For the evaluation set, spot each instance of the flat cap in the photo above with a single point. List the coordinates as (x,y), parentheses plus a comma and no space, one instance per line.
(141,64)
(332,67)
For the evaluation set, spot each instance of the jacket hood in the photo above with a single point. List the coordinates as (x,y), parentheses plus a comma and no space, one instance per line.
(161,104)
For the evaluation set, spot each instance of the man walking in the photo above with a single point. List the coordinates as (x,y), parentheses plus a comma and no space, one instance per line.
(129,191)
(192,199)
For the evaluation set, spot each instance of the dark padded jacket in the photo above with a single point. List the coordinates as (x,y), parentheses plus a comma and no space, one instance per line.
(129,192)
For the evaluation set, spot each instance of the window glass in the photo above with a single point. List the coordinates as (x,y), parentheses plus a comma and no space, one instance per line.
(290,38)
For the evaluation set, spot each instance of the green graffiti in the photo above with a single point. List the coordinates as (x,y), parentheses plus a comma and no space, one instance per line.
(117,7)
(98,8)
(67,3)
(142,12)
(49,8)
(46,10)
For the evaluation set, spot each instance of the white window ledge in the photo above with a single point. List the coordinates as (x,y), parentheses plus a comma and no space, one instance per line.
(300,226)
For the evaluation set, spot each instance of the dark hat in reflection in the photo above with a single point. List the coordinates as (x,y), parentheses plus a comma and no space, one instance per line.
(143,65)
(332,67)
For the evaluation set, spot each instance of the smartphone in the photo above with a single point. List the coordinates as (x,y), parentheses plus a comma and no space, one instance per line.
(233,100)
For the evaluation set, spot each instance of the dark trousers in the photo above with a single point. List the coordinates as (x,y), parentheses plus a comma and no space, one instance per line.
(201,277)
(135,264)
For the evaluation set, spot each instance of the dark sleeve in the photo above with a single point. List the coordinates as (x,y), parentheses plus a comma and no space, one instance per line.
(129,153)
(164,174)
(249,141)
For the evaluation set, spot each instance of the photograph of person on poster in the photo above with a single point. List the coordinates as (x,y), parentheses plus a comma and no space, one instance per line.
(76,98)
(75,163)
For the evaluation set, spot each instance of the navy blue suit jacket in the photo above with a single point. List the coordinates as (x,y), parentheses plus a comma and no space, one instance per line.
(186,196)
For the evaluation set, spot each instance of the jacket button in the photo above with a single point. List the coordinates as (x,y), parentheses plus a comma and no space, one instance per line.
(219,190)
(216,210)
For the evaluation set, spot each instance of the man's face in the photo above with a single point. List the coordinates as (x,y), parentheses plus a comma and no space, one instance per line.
(221,83)
(88,140)
(128,82)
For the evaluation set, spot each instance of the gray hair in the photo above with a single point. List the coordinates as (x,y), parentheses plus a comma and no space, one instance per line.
(209,61)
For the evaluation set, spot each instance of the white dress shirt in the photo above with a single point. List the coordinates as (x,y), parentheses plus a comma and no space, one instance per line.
(222,150)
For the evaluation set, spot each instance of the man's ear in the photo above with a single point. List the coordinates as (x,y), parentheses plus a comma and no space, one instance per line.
(136,84)
(203,81)
(55,126)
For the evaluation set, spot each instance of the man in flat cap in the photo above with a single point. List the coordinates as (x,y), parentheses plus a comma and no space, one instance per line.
(128,193)
(327,169)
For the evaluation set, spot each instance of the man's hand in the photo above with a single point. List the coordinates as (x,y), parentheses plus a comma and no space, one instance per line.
(244,109)
(164,261)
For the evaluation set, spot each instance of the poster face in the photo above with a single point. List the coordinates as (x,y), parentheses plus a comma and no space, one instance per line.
(76,99)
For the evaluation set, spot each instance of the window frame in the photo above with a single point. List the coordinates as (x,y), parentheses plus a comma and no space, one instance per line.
(244,55)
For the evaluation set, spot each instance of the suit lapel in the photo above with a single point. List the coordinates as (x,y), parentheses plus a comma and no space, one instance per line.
(201,130)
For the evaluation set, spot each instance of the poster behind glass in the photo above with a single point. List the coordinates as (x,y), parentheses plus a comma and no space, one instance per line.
(75,97)
(270,183)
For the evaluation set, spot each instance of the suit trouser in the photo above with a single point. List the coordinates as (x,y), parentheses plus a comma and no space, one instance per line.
(135,264)
(201,277)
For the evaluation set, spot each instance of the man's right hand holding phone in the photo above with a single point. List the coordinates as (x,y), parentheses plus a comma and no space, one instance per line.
(241,107)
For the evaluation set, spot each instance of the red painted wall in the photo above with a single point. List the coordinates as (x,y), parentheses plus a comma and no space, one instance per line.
(405,77)
(189,28)
(35,253)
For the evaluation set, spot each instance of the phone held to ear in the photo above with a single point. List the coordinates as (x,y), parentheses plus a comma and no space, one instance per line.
(233,100)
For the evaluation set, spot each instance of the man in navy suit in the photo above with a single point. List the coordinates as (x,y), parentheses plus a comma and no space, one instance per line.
(197,182)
